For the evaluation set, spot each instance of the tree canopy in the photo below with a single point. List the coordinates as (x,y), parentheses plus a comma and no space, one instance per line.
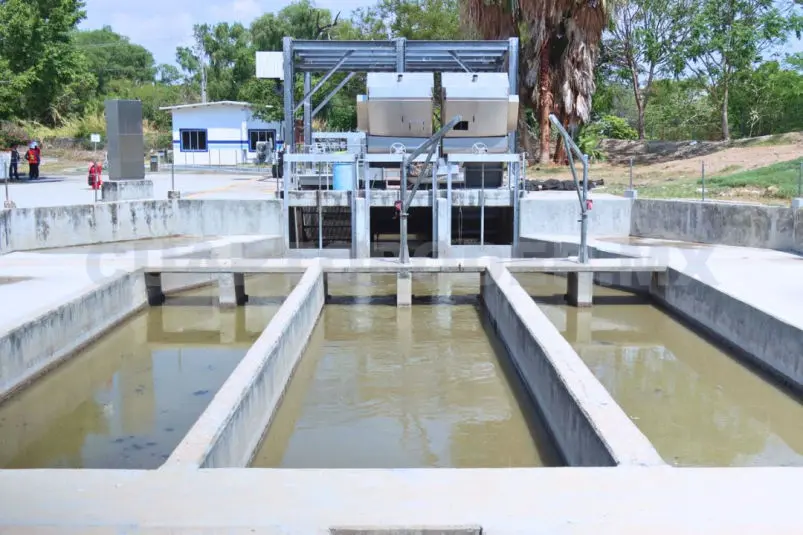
(670,69)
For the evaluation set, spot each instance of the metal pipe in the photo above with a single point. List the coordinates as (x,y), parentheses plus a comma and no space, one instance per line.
(582,189)
(459,61)
(435,210)
(404,254)
(482,207)
(702,175)
(320,214)
(583,254)
(332,93)
(631,174)
(323,80)
(289,137)
(516,168)
(800,181)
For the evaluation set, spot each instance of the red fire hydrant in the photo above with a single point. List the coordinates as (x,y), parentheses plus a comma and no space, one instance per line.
(589,204)
(398,206)
(95,175)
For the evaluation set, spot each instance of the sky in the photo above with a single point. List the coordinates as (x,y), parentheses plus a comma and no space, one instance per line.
(162,25)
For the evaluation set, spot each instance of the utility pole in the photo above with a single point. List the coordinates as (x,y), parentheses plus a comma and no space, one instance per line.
(203,80)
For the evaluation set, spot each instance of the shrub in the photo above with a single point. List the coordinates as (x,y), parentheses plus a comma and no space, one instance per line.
(611,127)
(12,135)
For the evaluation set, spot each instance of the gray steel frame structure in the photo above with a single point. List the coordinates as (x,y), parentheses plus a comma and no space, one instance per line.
(396,55)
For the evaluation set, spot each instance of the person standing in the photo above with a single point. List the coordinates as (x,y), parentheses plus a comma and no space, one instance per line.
(32,156)
(13,166)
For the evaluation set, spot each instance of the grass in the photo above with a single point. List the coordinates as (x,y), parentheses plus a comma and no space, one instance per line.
(782,179)
(771,183)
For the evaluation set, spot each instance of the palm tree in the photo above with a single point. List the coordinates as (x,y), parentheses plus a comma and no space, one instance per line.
(559,42)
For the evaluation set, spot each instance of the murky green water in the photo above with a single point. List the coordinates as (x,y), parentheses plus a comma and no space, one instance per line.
(129,398)
(383,387)
(698,405)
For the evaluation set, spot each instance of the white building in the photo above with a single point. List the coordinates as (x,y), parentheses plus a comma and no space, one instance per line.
(218,133)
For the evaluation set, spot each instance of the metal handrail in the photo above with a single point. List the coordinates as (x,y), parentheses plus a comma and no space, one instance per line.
(429,146)
(582,189)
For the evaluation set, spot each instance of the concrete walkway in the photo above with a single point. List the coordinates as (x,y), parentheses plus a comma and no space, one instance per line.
(770,281)
(557,501)
(64,190)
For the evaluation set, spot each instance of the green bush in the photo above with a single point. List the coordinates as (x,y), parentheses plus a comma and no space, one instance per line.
(611,127)
(12,135)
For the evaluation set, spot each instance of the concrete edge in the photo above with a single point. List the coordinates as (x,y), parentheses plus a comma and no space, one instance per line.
(587,424)
(75,324)
(230,429)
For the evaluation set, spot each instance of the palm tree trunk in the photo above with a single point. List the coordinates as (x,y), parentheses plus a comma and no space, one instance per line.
(544,101)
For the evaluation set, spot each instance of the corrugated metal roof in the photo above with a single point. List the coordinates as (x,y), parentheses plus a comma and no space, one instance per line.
(208,104)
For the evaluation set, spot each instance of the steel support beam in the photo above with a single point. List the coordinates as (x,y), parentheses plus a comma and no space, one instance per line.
(332,93)
(308,94)
(307,110)
(401,54)
(513,79)
(289,75)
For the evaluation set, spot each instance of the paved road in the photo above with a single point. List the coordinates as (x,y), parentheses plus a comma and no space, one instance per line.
(72,189)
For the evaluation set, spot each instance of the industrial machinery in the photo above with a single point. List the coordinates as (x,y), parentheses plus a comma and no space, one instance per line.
(490,114)
(488,109)
(397,112)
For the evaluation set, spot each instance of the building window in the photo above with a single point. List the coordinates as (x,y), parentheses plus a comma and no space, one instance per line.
(255,136)
(193,141)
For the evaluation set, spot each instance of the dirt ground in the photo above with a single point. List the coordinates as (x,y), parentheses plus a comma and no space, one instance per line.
(683,169)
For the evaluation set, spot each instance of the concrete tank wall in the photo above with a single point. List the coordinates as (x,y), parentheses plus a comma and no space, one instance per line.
(559,213)
(229,431)
(5,232)
(63,226)
(36,345)
(744,225)
(758,336)
(588,426)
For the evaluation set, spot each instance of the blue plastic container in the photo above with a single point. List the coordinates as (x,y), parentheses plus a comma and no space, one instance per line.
(342,176)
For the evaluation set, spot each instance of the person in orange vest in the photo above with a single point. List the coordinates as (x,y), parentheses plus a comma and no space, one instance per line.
(34,157)
(95,175)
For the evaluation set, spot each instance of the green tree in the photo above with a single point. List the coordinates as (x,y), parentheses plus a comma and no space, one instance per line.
(47,77)
(730,36)
(112,57)
(642,41)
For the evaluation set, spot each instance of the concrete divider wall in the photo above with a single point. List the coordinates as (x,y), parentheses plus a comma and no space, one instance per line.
(5,232)
(36,345)
(768,342)
(559,213)
(588,426)
(63,226)
(223,217)
(230,430)
(744,225)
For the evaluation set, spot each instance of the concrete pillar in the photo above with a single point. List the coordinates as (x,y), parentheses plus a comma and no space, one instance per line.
(580,288)
(361,234)
(444,228)
(325,286)
(153,287)
(404,289)
(797,203)
(232,290)
(631,194)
